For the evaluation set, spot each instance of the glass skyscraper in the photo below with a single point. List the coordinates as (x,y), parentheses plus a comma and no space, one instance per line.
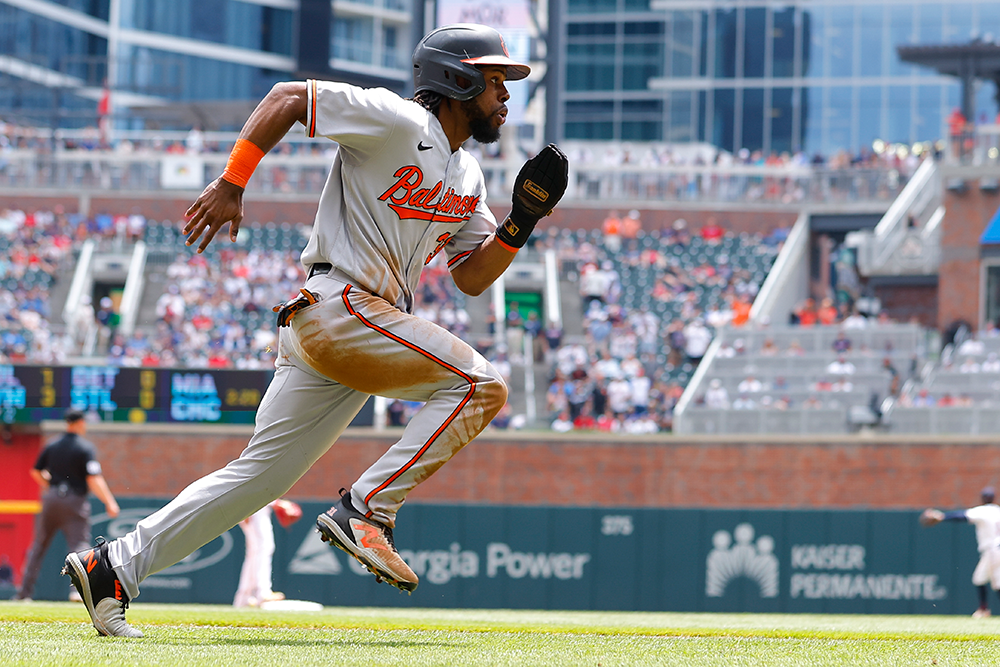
(811,75)
(54,54)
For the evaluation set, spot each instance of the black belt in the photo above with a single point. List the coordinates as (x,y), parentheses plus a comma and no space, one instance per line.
(322,267)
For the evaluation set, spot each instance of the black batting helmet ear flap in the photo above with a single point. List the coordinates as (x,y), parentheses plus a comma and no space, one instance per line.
(447,58)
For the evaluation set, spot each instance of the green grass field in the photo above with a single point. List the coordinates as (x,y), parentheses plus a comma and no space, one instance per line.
(59,633)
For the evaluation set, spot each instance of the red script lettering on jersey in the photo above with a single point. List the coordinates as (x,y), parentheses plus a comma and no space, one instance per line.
(412,202)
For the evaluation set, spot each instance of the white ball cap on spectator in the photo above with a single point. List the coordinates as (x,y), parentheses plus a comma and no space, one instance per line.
(106,302)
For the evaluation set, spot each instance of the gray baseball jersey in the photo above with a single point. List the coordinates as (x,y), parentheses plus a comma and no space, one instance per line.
(396,195)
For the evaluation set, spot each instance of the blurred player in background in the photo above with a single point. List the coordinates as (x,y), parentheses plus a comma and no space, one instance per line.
(986,519)
(401,189)
(67,470)
(254,588)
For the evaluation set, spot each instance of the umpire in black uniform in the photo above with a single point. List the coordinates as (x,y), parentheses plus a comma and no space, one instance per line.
(67,469)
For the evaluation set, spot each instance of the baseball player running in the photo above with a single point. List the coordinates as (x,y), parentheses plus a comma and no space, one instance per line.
(986,519)
(400,190)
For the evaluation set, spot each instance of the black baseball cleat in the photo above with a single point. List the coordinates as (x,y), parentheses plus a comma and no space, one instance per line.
(102,592)
(369,541)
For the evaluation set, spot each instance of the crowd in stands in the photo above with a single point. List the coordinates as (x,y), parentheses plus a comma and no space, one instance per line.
(215,311)
(650,304)
(625,373)
(33,249)
(639,342)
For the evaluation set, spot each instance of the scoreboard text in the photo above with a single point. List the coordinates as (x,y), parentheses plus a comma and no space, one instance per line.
(34,393)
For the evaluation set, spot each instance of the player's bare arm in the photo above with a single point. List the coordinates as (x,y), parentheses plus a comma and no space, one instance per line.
(482,267)
(537,189)
(222,200)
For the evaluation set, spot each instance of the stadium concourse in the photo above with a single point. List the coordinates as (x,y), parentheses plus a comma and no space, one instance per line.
(635,171)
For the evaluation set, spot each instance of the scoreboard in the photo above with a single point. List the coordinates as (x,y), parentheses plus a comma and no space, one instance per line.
(29,394)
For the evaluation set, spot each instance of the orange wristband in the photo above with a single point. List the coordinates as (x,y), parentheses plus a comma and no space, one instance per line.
(242,162)
(505,246)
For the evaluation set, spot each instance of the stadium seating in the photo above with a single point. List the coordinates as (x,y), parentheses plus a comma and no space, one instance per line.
(705,276)
(801,389)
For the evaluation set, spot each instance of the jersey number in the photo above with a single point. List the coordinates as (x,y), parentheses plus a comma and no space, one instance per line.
(442,241)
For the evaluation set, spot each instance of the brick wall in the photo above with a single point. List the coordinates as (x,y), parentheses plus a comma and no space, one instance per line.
(967,215)
(905,303)
(523,469)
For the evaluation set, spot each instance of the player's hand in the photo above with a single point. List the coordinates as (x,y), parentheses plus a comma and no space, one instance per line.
(540,184)
(221,202)
(538,187)
(931,517)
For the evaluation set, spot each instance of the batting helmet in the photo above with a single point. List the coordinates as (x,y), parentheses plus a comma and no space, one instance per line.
(452,51)
(987,494)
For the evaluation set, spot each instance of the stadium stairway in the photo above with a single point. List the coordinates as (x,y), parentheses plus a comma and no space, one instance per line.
(571,304)
(58,292)
(156,278)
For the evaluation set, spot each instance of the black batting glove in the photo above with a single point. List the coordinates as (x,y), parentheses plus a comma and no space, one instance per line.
(537,189)
(286,310)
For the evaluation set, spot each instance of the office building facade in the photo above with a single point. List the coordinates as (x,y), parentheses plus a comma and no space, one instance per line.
(812,75)
(162,59)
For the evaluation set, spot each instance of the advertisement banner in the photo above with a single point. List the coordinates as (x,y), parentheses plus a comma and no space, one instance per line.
(809,561)
(182,172)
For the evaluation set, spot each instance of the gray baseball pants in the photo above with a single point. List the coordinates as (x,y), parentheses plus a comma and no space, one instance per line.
(334,355)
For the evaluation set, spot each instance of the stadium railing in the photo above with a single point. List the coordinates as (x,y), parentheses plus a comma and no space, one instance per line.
(299,166)
(956,420)
(790,421)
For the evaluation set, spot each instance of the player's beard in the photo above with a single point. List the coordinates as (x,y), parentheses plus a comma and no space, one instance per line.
(481,123)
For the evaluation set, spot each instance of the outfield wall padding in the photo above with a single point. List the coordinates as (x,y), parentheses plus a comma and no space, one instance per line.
(632,559)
